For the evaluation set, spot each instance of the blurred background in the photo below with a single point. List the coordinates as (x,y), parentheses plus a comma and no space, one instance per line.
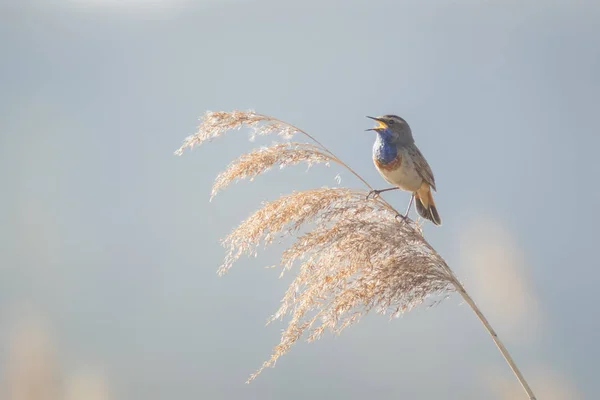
(109,245)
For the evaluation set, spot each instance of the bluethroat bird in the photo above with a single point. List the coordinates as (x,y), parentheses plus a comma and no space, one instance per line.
(400,162)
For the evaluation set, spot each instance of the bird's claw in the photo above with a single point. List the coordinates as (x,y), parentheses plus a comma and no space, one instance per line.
(404,218)
(373,194)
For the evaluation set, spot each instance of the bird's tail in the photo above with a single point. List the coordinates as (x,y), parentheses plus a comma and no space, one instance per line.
(426,206)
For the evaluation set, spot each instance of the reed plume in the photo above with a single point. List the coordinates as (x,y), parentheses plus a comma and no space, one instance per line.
(353,254)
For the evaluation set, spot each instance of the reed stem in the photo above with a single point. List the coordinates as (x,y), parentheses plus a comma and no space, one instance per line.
(503,350)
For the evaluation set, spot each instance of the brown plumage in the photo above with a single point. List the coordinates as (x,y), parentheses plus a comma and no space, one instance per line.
(425,204)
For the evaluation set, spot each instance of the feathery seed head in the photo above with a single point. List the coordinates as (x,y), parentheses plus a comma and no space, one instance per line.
(352,255)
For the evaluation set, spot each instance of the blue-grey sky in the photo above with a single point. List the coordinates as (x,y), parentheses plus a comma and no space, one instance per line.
(109,243)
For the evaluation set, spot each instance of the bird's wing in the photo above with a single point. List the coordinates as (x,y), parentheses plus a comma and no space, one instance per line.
(422,166)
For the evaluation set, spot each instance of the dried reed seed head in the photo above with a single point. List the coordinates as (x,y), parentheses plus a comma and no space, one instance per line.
(252,164)
(214,124)
(355,255)
(352,267)
(287,214)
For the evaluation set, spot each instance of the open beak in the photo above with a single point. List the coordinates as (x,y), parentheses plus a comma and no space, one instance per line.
(381,125)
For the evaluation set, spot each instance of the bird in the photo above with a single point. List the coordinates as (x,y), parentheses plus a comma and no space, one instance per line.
(401,163)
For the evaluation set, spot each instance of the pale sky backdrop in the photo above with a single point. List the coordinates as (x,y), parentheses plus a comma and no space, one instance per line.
(109,246)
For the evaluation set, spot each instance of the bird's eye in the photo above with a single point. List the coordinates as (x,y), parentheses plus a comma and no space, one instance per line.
(390,122)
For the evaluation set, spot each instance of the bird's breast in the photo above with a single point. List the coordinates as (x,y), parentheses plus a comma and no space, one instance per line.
(401,171)
(391,165)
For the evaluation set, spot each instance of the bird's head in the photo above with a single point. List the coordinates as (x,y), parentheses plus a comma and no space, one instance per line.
(394,128)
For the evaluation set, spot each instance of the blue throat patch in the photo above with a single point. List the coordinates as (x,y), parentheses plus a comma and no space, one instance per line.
(384,150)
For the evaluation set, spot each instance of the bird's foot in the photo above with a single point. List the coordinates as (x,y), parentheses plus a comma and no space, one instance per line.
(373,194)
(403,218)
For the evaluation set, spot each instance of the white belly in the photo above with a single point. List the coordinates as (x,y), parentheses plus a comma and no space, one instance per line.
(406,177)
